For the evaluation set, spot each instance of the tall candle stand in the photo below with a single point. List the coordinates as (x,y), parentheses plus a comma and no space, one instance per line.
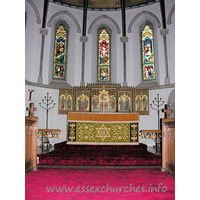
(157,103)
(46,102)
(47,99)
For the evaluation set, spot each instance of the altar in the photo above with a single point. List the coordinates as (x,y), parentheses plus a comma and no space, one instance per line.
(103,128)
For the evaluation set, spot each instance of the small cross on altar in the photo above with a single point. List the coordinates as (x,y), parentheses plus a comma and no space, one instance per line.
(31,110)
(103,101)
(168,111)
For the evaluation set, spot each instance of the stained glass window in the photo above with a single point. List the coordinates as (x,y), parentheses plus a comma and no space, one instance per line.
(148,64)
(59,66)
(104,56)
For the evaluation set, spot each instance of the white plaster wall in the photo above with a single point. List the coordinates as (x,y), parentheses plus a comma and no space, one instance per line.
(171,41)
(32,41)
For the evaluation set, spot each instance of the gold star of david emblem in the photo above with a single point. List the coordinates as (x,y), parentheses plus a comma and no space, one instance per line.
(103,132)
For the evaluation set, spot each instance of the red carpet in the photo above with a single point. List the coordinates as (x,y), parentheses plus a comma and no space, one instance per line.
(127,184)
(100,155)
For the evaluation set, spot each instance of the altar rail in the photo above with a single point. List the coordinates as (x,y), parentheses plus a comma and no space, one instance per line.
(152,134)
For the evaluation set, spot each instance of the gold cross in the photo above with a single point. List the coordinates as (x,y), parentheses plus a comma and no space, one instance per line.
(103,101)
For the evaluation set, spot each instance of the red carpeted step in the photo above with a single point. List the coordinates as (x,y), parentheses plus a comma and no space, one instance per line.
(100,155)
(65,146)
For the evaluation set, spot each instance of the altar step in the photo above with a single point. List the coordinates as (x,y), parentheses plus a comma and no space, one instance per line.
(100,155)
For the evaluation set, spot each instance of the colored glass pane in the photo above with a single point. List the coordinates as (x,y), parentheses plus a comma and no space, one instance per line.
(148,54)
(104,56)
(60,53)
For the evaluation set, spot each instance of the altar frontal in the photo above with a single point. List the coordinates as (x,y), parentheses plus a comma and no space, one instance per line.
(103,128)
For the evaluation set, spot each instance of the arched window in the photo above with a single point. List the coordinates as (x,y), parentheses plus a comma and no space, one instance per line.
(148,63)
(104,48)
(60,51)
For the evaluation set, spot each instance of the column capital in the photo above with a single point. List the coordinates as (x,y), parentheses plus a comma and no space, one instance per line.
(125,84)
(82,83)
(124,39)
(83,39)
(43,31)
(40,79)
(164,32)
(167,80)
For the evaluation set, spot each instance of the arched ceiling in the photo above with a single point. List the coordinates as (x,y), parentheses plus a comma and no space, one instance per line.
(104,4)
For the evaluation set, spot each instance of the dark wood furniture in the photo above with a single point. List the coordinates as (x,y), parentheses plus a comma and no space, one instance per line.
(31,129)
(168,142)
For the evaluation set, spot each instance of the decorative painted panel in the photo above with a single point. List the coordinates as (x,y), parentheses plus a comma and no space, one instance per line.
(104,56)
(142,101)
(60,49)
(82,101)
(103,99)
(125,101)
(65,100)
(148,64)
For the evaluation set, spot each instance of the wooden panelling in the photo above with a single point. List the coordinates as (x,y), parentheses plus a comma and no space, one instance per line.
(168,145)
(31,129)
(102,117)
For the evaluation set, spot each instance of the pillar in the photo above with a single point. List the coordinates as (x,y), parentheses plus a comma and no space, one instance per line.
(84,39)
(124,40)
(164,33)
(43,32)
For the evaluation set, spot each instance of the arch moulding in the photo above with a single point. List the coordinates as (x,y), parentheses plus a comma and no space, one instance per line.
(139,15)
(36,11)
(104,17)
(169,18)
(68,14)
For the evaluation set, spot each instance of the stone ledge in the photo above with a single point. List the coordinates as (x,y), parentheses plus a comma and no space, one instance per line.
(52,85)
(56,85)
(154,85)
